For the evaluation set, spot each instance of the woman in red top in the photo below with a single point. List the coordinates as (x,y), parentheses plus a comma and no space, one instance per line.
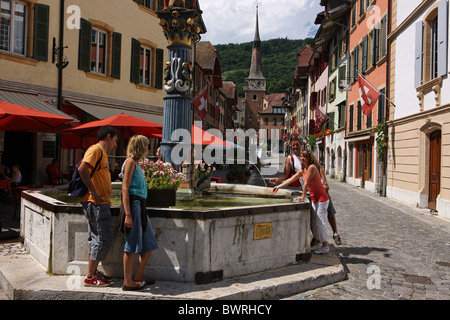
(319,198)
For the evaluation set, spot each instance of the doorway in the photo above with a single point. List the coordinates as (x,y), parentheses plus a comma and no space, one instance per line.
(435,169)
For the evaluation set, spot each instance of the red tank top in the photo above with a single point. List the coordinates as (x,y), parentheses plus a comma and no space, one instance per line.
(316,190)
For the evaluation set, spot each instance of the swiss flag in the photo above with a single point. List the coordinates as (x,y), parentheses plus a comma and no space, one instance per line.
(200,103)
(297,131)
(368,94)
(320,118)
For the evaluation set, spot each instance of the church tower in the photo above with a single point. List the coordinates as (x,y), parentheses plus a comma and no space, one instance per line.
(255,84)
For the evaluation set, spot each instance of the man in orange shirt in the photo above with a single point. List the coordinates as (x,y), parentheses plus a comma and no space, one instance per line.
(97,202)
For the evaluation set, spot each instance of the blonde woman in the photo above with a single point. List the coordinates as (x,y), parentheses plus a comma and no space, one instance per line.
(139,236)
(319,199)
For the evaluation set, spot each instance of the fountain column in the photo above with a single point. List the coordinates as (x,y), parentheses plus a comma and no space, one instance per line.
(181,30)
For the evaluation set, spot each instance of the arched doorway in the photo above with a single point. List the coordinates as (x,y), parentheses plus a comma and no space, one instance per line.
(435,168)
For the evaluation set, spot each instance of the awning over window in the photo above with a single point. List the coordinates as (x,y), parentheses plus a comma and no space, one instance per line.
(357,138)
(30,101)
(101,112)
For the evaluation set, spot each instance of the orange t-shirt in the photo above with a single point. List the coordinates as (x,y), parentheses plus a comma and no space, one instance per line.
(101,177)
(316,190)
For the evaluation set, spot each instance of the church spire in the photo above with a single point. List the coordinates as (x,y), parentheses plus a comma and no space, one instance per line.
(257,40)
(255,68)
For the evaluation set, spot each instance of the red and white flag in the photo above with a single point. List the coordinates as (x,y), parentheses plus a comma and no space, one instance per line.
(320,118)
(368,94)
(200,103)
(297,131)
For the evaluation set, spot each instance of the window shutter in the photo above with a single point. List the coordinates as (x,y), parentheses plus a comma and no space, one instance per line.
(365,49)
(330,122)
(116,55)
(359,115)
(442,38)
(369,120)
(375,45)
(40,37)
(381,106)
(138,1)
(418,55)
(354,14)
(351,116)
(356,64)
(84,46)
(383,36)
(160,5)
(135,60)
(159,68)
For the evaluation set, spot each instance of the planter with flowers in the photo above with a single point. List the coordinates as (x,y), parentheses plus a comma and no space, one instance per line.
(162,183)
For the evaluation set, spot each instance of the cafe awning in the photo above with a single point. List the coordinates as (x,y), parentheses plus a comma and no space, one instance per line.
(30,101)
(101,112)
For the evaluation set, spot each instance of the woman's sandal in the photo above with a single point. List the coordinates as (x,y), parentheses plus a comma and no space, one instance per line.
(141,285)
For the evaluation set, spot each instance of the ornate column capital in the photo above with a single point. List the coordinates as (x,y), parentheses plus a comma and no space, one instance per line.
(179,25)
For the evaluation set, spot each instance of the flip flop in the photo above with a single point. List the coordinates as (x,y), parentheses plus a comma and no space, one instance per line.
(141,285)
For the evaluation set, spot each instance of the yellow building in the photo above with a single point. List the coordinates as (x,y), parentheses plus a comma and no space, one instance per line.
(112,62)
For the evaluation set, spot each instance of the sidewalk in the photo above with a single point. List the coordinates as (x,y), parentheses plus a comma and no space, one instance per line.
(33,283)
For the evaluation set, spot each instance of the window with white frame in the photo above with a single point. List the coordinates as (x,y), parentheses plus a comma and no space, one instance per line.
(98,51)
(13,26)
(431,47)
(145,70)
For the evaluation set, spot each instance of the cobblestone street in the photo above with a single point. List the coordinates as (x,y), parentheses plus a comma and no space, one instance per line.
(408,248)
(390,251)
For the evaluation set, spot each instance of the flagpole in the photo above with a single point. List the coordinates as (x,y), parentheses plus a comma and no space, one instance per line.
(375,88)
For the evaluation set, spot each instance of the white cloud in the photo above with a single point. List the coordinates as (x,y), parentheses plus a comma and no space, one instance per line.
(233,21)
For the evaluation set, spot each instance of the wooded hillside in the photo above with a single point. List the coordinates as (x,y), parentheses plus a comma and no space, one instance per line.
(279,57)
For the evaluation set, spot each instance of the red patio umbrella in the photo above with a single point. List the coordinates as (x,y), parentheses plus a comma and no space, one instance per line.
(85,135)
(201,137)
(19,118)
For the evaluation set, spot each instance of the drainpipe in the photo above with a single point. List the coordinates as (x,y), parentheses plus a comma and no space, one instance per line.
(61,47)
(60,74)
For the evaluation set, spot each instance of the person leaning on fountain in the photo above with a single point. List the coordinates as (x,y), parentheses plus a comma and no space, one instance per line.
(139,236)
(293,165)
(97,203)
(319,199)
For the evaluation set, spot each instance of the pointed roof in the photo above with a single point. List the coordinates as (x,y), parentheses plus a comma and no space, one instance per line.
(255,68)
(257,40)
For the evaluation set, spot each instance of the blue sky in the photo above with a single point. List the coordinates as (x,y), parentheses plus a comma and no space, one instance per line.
(233,21)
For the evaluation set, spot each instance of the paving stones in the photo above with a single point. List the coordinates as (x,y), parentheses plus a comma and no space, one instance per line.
(402,242)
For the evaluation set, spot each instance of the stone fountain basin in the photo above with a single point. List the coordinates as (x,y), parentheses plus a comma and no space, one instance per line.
(194,245)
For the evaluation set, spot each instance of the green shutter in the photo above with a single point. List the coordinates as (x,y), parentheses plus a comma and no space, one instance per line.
(159,68)
(375,46)
(116,55)
(84,46)
(365,49)
(383,36)
(135,60)
(359,116)
(160,5)
(40,37)
(351,114)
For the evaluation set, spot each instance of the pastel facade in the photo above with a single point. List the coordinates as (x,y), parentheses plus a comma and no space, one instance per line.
(419,130)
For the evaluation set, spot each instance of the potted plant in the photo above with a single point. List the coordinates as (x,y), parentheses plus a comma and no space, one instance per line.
(203,174)
(162,183)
